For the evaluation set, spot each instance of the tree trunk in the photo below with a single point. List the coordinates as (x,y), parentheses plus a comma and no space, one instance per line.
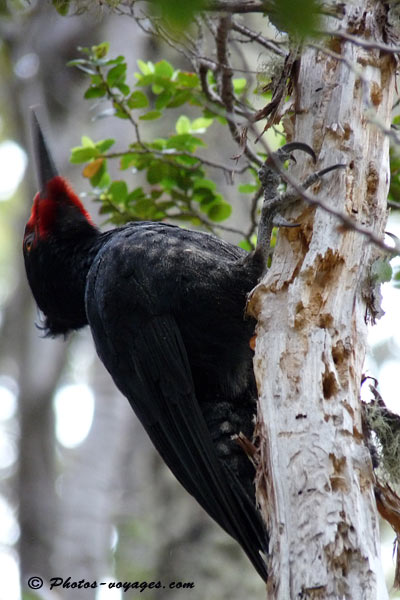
(315,479)
(90,490)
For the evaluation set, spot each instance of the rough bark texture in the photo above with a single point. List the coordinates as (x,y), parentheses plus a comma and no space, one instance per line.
(315,481)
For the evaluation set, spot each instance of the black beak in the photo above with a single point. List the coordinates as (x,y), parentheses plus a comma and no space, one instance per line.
(45,167)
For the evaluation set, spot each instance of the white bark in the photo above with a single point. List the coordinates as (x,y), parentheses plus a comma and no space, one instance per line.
(315,482)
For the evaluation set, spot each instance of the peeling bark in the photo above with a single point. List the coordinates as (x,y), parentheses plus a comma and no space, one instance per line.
(315,479)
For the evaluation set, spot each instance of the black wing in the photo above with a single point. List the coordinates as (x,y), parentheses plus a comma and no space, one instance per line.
(146,356)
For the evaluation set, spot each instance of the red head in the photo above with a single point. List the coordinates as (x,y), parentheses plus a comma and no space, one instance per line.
(56,204)
(58,243)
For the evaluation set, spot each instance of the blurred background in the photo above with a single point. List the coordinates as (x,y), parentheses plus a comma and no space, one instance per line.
(82,493)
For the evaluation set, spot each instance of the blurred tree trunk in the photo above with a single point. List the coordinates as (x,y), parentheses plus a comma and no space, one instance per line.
(37,49)
(90,489)
(315,481)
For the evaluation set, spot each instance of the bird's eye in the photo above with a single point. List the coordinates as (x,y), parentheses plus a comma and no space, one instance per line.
(28,243)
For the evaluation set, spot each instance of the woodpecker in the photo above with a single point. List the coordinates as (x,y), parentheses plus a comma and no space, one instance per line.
(165,306)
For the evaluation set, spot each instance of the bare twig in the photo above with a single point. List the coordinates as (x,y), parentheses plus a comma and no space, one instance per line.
(257,37)
(239,7)
(226,86)
(369,45)
(116,101)
(228,6)
(253,215)
(395,205)
(164,156)
(226,73)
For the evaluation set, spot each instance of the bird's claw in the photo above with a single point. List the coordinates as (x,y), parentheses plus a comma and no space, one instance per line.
(269,172)
(314,177)
(270,177)
(285,152)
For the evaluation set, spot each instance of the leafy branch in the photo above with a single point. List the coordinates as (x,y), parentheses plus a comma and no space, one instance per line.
(176,185)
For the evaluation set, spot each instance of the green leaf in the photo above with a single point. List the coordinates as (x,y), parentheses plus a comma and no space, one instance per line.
(116,75)
(245,245)
(143,80)
(188,80)
(201,124)
(95,91)
(136,194)
(164,69)
(239,85)
(163,99)
(138,100)
(182,125)
(157,89)
(146,68)
(204,184)
(187,160)
(247,188)
(219,211)
(119,111)
(87,142)
(62,6)
(151,115)
(104,145)
(101,179)
(155,194)
(204,197)
(157,144)
(155,173)
(123,88)
(118,191)
(179,13)
(96,79)
(179,99)
(300,19)
(101,50)
(184,141)
(127,160)
(82,155)
(115,61)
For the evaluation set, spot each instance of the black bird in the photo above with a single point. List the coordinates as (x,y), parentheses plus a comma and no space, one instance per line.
(166,309)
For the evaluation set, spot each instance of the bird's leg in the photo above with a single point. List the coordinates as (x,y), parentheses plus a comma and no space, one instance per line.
(274,202)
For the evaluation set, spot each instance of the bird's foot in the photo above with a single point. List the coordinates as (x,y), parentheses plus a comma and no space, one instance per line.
(274,202)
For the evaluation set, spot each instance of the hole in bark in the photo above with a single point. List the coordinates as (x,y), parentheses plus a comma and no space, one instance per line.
(336,45)
(338,484)
(329,385)
(325,321)
(376,93)
(372,180)
(337,479)
(339,353)
(347,131)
